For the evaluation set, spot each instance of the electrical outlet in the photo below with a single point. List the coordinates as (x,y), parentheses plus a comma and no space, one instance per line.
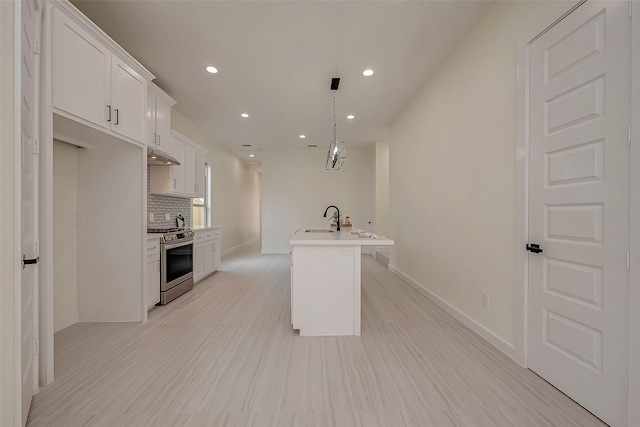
(151,217)
(167,217)
(485,300)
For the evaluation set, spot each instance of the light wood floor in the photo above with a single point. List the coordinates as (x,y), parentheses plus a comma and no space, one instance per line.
(224,354)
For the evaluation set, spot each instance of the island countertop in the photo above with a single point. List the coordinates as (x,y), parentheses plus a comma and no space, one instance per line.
(318,237)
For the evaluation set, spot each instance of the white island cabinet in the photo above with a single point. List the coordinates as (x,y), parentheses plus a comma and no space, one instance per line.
(325,281)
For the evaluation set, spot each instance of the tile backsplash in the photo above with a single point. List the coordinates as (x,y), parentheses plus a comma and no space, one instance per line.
(159,206)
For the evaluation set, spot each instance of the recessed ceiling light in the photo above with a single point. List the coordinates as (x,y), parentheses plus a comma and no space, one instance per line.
(153,157)
(245,115)
(251,155)
(303,136)
(212,69)
(351,117)
(367,73)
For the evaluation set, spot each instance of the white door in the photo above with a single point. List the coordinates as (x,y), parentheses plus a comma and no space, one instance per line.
(579,206)
(30,32)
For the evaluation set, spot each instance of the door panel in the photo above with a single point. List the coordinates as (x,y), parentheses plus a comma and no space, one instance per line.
(128,99)
(30,70)
(579,206)
(80,71)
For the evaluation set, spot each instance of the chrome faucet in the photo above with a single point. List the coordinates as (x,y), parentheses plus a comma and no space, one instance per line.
(337,210)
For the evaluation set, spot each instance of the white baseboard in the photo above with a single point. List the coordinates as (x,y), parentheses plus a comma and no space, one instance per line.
(60,324)
(240,246)
(485,333)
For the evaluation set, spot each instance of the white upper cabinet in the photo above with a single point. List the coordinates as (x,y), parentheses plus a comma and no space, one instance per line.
(159,119)
(194,171)
(95,81)
(185,180)
(178,150)
(190,170)
(81,66)
(200,177)
(128,100)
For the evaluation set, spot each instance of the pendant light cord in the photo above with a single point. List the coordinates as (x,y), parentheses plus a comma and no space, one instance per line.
(335,124)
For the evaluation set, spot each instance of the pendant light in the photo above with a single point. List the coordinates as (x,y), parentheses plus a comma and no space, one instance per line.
(337,151)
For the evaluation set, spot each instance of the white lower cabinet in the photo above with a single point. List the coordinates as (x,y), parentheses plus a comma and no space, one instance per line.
(207,256)
(153,272)
(198,261)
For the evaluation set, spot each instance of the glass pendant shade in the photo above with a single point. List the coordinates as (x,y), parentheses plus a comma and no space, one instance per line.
(337,151)
(336,155)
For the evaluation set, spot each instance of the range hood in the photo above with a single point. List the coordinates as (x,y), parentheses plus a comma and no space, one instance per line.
(156,158)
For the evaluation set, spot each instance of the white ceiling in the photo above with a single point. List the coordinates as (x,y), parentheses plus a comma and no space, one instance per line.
(276,60)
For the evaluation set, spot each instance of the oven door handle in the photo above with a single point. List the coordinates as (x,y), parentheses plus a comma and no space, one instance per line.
(177,244)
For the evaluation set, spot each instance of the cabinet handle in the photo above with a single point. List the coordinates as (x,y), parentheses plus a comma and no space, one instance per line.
(174,183)
(158,139)
(155,138)
(108,113)
(117,121)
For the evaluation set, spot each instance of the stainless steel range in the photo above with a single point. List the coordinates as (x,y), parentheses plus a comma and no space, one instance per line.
(176,262)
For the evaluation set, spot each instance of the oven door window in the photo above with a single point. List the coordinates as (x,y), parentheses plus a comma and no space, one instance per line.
(179,262)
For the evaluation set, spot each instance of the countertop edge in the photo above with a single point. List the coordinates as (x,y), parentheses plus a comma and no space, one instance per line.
(213,227)
(331,240)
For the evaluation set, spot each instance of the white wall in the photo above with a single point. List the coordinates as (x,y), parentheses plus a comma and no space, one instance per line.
(111,206)
(235,187)
(65,245)
(9,310)
(296,190)
(382,189)
(452,172)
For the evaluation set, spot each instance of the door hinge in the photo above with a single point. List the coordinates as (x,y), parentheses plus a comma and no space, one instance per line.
(36,146)
(36,346)
(36,47)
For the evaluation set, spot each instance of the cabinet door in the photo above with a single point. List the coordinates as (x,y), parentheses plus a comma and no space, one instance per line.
(177,172)
(217,255)
(81,66)
(153,283)
(198,262)
(190,171)
(163,125)
(200,183)
(209,251)
(128,100)
(150,137)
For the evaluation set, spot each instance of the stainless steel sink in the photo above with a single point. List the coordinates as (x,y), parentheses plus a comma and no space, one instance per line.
(319,231)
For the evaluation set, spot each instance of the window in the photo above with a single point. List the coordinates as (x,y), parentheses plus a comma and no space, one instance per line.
(200,212)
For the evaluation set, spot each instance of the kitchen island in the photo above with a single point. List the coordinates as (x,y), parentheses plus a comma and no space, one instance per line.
(326,282)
